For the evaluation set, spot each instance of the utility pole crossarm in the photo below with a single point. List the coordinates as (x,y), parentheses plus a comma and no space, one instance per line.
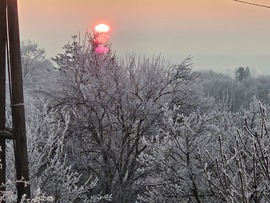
(6,134)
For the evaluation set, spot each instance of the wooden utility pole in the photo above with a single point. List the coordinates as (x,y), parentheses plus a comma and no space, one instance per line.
(3,36)
(10,49)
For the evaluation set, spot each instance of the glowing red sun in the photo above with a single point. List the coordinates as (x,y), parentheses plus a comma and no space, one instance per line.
(102,28)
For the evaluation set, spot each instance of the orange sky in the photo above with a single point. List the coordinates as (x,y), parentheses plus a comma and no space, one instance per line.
(170,27)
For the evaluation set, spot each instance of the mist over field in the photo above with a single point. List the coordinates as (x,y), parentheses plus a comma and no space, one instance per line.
(258,64)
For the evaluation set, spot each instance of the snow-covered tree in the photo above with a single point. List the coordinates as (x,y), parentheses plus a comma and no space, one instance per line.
(174,161)
(115,105)
(241,172)
(234,95)
(36,68)
(50,175)
(242,73)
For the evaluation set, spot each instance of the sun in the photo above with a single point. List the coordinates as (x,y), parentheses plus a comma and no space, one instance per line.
(102,28)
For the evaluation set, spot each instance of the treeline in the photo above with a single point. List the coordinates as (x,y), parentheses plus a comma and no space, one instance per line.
(103,129)
(236,93)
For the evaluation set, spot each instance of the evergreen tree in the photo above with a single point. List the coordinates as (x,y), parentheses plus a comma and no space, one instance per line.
(242,73)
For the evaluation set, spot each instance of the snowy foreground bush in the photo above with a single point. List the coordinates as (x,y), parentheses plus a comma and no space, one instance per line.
(210,158)
(52,179)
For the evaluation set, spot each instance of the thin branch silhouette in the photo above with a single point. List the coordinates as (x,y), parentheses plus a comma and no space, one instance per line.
(253,4)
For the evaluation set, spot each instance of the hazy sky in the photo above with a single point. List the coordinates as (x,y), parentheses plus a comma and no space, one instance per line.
(223,30)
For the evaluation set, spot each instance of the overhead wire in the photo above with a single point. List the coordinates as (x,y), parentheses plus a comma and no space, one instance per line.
(253,4)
